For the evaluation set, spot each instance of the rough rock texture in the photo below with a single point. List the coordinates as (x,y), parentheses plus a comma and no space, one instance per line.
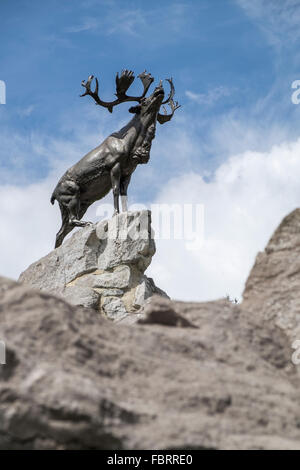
(74,380)
(272,289)
(101,266)
(174,376)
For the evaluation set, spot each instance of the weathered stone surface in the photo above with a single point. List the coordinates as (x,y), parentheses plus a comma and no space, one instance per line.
(272,290)
(136,245)
(114,308)
(77,256)
(145,289)
(74,380)
(120,277)
(106,260)
(82,296)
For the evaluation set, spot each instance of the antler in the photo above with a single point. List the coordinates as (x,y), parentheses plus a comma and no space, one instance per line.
(162,118)
(122,84)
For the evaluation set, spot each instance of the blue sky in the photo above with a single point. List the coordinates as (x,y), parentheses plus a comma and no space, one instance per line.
(232,61)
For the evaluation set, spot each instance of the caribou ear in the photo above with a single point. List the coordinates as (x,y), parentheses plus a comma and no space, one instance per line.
(135,109)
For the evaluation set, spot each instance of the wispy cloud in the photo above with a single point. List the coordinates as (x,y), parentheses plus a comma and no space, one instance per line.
(209,98)
(279,20)
(164,22)
(87,24)
(114,21)
(27,111)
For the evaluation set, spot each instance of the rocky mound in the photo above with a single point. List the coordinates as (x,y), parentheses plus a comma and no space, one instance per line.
(182,376)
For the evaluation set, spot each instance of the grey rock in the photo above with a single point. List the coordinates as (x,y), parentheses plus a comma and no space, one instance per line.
(271,294)
(82,296)
(135,244)
(77,256)
(114,308)
(74,380)
(119,277)
(110,292)
(107,259)
(145,289)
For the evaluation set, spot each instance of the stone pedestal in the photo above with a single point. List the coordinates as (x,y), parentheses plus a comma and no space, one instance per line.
(101,266)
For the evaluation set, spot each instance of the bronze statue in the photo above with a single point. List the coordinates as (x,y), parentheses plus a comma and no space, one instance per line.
(111,164)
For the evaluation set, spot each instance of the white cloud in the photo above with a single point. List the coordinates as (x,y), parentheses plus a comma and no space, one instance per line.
(28,224)
(244,202)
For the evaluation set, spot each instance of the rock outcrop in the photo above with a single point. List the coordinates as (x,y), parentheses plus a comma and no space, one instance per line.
(271,294)
(176,375)
(101,266)
(187,378)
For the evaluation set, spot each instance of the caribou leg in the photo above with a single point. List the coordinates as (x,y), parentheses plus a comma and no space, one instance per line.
(74,209)
(65,227)
(68,223)
(123,191)
(115,175)
(68,196)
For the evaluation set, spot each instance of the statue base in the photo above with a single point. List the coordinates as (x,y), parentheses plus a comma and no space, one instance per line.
(101,266)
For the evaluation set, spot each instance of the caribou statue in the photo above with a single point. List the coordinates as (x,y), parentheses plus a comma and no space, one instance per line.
(111,164)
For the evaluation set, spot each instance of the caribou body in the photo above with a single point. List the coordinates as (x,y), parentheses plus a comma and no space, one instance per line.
(111,164)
